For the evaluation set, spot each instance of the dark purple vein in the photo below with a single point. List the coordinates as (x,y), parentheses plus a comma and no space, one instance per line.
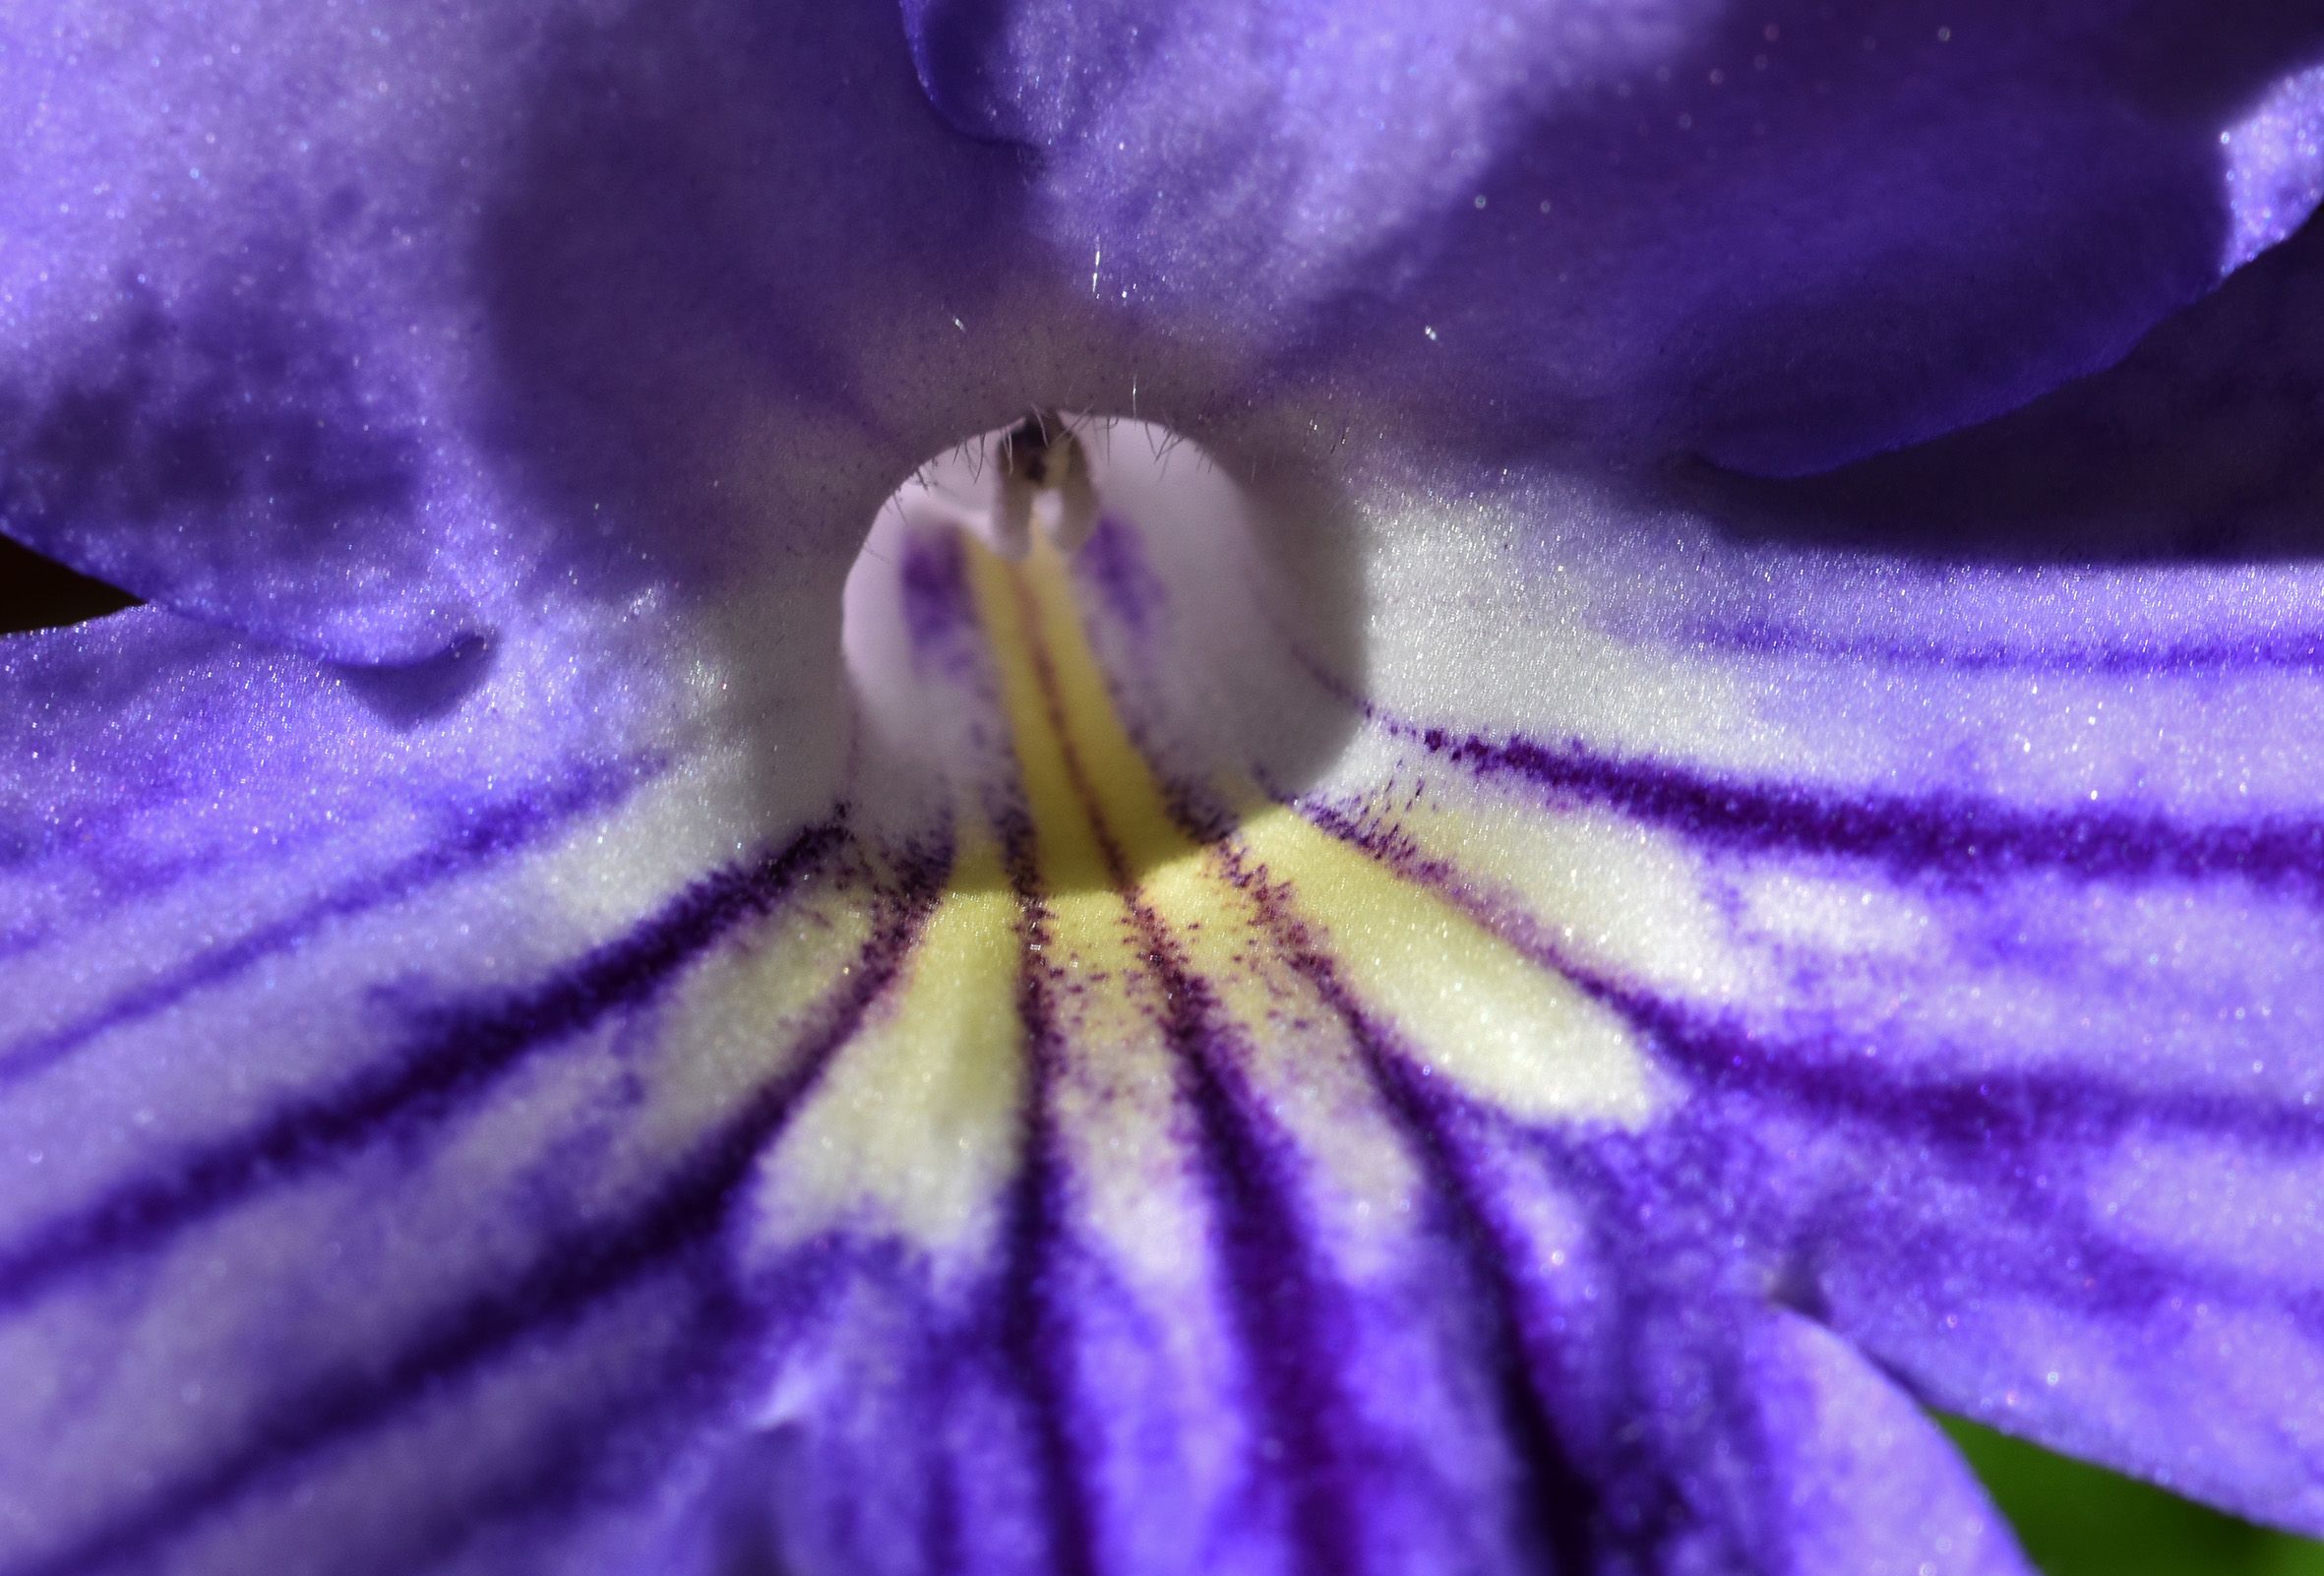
(1970,1121)
(1034,1327)
(1967,1112)
(642,1425)
(569,1278)
(1557,1511)
(1275,1291)
(498,830)
(2298,650)
(1940,834)
(1937,834)
(1278,1301)
(464,1051)
(1558,1508)
(1968,1109)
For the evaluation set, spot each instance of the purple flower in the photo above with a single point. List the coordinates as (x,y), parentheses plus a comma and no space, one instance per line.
(1518,959)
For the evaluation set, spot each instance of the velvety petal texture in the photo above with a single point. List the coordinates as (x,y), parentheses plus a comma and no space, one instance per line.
(1981,902)
(371,328)
(1347,1028)
(346,1191)
(1388,1014)
(1783,234)
(239,315)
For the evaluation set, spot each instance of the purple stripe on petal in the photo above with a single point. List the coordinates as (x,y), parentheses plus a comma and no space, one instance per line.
(456,1056)
(1969,1113)
(1560,1520)
(1274,1290)
(1963,1180)
(1112,565)
(1276,1304)
(1565,1522)
(670,1235)
(1034,1327)
(1822,1079)
(1935,834)
(939,612)
(1558,1504)
(2299,652)
(498,830)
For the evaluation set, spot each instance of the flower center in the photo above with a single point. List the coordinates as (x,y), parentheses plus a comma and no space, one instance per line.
(1041,468)
(1122,787)
(1071,640)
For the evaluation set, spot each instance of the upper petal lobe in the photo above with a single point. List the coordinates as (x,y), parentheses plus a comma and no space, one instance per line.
(1782,235)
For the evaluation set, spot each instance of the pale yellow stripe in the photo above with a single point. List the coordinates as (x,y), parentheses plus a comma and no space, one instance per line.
(743,1016)
(913,1131)
(1475,1009)
(916,1130)
(1114,1093)
(1615,896)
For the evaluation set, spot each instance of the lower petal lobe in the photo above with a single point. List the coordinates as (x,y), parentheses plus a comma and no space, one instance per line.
(377,1078)
(1975,907)
(1499,1147)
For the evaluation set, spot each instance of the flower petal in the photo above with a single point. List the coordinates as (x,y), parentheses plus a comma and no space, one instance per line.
(371,333)
(2198,445)
(1871,1483)
(1973,909)
(1154,1228)
(1780,236)
(366,1142)
(743,1184)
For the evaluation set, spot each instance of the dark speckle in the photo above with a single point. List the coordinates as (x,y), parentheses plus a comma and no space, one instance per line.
(341,209)
(241,401)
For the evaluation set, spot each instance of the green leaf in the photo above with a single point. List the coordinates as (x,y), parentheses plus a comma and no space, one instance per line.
(2080,1520)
